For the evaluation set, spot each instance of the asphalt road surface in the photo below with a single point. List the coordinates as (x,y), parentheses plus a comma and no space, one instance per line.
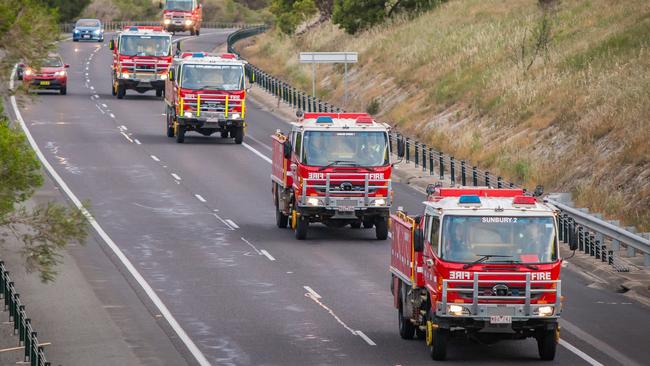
(197,222)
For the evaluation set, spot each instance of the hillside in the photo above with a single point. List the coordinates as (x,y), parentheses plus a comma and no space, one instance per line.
(558,97)
(227,11)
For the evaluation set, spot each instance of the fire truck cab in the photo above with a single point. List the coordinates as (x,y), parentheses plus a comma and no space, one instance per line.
(182,15)
(207,94)
(141,60)
(480,263)
(333,168)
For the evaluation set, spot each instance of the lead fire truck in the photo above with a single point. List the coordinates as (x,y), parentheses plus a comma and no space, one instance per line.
(182,15)
(332,168)
(141,60)
(207,94)
(480,263)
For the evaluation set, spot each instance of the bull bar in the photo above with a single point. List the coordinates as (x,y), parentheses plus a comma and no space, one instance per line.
(482,311)
(351,198)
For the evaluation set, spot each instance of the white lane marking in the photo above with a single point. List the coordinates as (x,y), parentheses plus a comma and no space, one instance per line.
(226,223)
(100,109)
(596,343)
(96,96)
(164,311)
(126,136)
(249,147)
(155,158)
(123,128)
(232,223)
(104,105)
(92,87)
(137,141)
(267,255)
(200,198)
(112,115)
(251,245)
(579,353)
(366,338)
(260,142)
(312,292)
(176,176)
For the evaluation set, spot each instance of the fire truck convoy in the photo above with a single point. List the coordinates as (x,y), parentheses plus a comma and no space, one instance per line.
(481,263)
(141,60)
(182,15)
(207,94)
(332,168)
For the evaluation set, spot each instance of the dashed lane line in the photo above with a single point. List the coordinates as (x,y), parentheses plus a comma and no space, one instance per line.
(366,338)
(232,224)
(176,176)
(126,136)
(267,255)
(312,292)
(154,157)
(200,198)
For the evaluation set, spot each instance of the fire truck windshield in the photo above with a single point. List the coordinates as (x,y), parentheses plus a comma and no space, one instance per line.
(345,148)
(212,77)
(183,5)
(138,45)
(502,239)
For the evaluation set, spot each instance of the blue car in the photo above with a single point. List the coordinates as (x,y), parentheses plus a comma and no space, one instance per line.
(88,30)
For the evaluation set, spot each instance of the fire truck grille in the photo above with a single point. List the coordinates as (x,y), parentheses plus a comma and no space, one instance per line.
(491,291)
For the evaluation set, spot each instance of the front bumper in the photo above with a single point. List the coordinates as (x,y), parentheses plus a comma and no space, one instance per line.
(46,83)
(222,124)
(344,213)
(176,27)
(147,82)
(87,37)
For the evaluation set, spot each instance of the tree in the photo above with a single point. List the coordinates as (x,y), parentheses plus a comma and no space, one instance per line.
(27,32)
(68,10)
(356,15)
(290,13)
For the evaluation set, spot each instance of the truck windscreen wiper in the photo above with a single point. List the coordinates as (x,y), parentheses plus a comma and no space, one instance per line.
(485,257)
(527,265)
(338,162)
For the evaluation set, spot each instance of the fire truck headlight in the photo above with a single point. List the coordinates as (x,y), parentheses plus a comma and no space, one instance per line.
(379,202)
(188,114)
(126,75)
(163,76)
(545,311)
(457,310)
(188,22)
(236,116)
(167,21)
(313,201)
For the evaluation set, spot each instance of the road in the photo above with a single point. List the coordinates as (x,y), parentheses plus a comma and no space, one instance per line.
(196,220)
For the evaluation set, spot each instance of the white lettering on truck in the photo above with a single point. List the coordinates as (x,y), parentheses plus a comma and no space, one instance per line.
(458,275)
(540,276)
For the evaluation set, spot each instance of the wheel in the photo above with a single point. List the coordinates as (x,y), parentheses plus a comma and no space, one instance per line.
(436,340)
(406,328)
(381,228)
(63,90)
(198,32)
(169,124)
(192,32)
(121,91)
(302,224)
(159,93)
(180,134)
(75,40)
(368,224)
(239,135)
(547,343)
(224,134)
(280,219)
(355,225)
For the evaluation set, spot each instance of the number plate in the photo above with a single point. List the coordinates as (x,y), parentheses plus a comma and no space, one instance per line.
(210,125)
(86,35)
(501,319)
(212,120)
(45,83)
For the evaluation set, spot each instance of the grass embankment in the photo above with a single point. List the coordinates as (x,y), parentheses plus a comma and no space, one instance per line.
(226,11)
(559,98)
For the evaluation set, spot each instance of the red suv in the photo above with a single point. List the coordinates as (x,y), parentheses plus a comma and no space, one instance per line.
(51,75)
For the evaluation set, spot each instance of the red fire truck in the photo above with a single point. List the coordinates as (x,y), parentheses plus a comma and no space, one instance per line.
(481,263)
(182,15)
(333,168)
(141,60)
(207,94)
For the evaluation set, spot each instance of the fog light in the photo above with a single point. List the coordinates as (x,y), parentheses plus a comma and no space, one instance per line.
(188,22)
(457,310)
(545,311)
(313,201)
(380,202)
(163,76)
(236,115)
(167,21)
(126,75)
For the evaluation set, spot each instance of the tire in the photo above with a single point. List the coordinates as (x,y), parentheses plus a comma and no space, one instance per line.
(239,135)
(180,134)
(64,90)
(192,32)
(224,134)
(368,224)
(302,224)
(406,328)
(439,338)
(547,344)
(355,225)
(159,93)
(75,40)
(198,32)
(168,123)
(381,228)
(121,91)
(281,220)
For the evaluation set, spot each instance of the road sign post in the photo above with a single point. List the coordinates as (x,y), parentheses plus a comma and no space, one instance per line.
(329,58)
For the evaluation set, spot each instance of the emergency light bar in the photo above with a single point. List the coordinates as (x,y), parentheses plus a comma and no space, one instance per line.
(364,120)
(469,200)
(524,200)
(324,119)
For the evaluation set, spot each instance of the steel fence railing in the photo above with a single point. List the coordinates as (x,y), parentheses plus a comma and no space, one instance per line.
(112,26)
(599,240)
(27,337)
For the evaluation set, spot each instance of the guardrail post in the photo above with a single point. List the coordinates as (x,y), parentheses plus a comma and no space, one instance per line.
(592,244)
(475,176)
(416,146)
(463,173)
(441,165)
(424,157)
(407,149)
(452,170)
(487,178)
(499,182)
(431,172)
(32,356)
(581,239)
(28,340)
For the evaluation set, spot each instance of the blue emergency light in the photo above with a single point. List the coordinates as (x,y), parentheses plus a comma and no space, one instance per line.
(133,29)
(324,119)
(469,199)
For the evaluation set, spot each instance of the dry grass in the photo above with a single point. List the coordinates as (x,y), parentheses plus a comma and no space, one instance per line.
(578,117)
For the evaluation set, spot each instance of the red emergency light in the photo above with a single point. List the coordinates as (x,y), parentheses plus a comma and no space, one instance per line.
(481,192)
(228,55)
(364,120)
(336,115)
(524,200)
(135,28)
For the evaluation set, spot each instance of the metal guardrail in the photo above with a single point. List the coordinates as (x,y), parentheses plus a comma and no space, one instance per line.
(119,25)
(34,352)
(596,233)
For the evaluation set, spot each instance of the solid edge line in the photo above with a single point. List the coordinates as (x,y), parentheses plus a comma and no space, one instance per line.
(579,353)
(311,291)
(249,147)
(176,176)
(232,223)
(366,338)
(191,346)
(267,255)
(200,198)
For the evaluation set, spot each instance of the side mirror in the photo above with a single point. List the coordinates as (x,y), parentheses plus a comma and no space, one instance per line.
(418,241)
(111,44)
(400,148)
(67,66)
(431,188)
(573,239)
(171,75)
(287,150)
